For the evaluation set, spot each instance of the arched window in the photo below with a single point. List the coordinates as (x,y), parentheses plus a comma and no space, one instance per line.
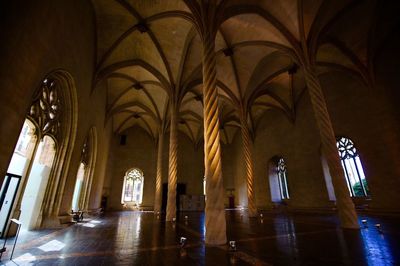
(278,179)
(282,176)
(352,168)
(133,187)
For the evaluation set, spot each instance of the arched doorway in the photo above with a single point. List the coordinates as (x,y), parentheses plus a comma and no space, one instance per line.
(41,156)
(84,177)
(37,181)
(76,206)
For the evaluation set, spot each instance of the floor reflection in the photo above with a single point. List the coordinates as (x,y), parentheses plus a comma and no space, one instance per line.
(376,246)
(286,236)
(144,238)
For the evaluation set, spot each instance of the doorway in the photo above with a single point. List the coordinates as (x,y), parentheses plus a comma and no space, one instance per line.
(36,183)
(43,148)
(180,190)
(78,188)
(32,161)
(7,197)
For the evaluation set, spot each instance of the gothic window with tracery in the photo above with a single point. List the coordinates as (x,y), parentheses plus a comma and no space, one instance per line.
(133,186)
(352,167)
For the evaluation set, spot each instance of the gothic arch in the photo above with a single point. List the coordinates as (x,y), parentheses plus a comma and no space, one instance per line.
(58,176)
(90,166)
(130,193)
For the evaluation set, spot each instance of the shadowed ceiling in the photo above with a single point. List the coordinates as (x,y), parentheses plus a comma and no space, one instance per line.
(147,48)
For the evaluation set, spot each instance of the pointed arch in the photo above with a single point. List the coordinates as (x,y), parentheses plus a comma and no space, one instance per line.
(58,176)
(90,166)
(132,190)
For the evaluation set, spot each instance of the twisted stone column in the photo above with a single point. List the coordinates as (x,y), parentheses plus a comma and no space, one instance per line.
(157,196)
(215,209)
(346,210)
(248,159)
(173,164)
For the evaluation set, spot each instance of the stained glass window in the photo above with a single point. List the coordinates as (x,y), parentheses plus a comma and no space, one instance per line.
(352,167)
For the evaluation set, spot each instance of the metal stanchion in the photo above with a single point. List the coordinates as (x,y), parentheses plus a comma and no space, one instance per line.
(18,223)
(3,249)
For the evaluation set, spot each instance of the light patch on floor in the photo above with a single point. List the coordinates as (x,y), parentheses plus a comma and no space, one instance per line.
(89,225)
(53,245)
(27,257)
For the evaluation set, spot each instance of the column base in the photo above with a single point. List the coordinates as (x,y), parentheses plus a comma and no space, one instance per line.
(55,221)
(253,213)
(216,243)
(350,225)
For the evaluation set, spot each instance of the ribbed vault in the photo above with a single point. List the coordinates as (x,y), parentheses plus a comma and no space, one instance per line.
(149,52)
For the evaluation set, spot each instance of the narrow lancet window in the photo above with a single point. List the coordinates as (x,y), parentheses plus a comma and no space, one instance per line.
(352,167)
(282,176)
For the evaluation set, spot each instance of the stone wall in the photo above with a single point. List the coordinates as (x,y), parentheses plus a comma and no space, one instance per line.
(362,114)
(38,38)
(140,151)
(298,144)
(366,116)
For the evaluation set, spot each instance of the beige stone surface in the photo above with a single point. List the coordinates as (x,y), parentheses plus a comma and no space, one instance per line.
(127,59)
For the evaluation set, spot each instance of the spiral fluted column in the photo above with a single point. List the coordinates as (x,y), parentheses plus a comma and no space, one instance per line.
(215,209)
(173,165)
(248,159)
(345,206)
(157,196)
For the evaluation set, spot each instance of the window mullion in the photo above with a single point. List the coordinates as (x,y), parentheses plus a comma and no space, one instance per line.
(359,178)
(348,178)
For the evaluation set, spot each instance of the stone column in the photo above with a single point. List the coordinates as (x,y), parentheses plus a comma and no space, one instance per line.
(215,209)
(248,159)
(345,206)
(173,164)
(157,197)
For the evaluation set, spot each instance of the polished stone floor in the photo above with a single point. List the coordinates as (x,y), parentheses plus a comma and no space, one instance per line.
(142,238)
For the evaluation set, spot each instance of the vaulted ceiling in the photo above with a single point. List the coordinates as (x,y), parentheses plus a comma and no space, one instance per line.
(147,47)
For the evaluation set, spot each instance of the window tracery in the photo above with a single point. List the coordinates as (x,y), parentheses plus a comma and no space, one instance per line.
(46,109)
(133,186)
(352,168)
